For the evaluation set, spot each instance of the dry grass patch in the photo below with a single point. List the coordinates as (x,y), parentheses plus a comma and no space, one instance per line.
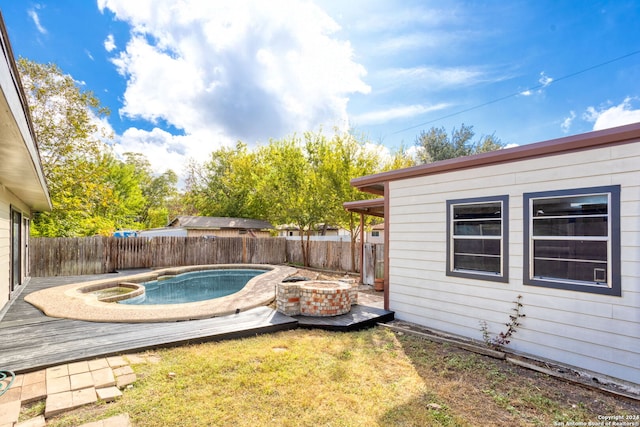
(316,378)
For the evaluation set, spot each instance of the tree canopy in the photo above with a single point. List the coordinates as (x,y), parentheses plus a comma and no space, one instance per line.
(435,144)
(300,180)
(92,191)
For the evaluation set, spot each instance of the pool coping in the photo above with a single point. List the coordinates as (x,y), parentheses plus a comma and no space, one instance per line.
(67,301)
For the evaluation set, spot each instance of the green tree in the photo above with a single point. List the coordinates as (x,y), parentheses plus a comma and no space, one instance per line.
(298,180)
(435,144)
(92,192)
(339,160)
(226,185)
(159,191)
(292,187)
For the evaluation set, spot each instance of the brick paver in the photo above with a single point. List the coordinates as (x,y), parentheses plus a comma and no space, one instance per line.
(9,412)
(108,394)
(38,421)
(67,387)
(12,394)
(58,385)
(34,377)
(78,367)
(117,421)
(84,396)
(98,364)
(103,377)
(57,371)
(123,370)
(124,380)
(135,359)
(58,403)
(82,380)
(33,392)
(116,361)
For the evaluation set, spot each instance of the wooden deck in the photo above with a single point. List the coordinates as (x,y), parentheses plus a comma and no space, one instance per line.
(29,340)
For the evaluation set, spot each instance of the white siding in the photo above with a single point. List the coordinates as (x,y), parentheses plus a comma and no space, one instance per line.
(5,242)
(595,332)
(7,201)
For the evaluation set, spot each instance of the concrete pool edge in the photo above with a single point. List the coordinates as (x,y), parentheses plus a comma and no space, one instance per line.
(69,302)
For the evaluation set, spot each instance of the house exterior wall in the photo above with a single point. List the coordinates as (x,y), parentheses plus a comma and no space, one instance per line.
(600,333)
(7,202)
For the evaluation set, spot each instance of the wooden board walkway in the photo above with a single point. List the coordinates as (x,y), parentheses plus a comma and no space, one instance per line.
(30,340)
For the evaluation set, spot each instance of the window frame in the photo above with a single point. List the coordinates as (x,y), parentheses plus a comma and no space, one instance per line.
(503,276)
(613,241)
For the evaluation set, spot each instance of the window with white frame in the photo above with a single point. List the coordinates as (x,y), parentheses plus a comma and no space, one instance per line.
(572,239)
(477,238)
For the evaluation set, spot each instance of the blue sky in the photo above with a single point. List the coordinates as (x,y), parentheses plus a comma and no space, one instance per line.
(183,78)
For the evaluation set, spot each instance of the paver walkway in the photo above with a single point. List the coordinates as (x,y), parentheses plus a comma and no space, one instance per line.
(67,387)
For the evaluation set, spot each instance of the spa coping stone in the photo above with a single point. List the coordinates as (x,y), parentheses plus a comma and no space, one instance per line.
(69,301)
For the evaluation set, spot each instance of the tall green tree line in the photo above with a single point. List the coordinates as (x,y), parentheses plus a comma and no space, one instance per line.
(92,191)
(301,180)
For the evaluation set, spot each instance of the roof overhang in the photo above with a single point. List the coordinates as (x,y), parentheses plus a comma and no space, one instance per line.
(20,169)
(373,207)
(375,184)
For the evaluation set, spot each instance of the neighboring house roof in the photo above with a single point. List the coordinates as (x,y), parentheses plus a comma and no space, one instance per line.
(317,227)
(378,226)
(20,169)
(213,223)
(620,135)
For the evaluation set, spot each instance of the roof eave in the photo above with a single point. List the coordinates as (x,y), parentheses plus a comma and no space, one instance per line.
(619,135)
(374,207)
(24,176)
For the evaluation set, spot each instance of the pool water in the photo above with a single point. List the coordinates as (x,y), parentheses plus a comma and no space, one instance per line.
(194,286)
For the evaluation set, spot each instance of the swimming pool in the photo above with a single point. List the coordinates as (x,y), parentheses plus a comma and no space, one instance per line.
(193,286)
(80,300)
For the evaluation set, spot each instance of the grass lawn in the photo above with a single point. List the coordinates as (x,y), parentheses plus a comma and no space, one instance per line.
(370,378)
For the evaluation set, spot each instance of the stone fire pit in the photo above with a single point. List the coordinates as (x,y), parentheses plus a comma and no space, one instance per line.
(320,298)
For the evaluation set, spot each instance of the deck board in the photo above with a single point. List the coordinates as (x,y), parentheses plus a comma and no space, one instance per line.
(67,341)
(30,340)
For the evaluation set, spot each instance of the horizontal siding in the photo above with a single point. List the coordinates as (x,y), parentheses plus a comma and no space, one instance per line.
(595,332)
(5,242)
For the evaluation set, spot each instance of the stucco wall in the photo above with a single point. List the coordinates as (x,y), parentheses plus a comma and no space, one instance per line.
(595,332)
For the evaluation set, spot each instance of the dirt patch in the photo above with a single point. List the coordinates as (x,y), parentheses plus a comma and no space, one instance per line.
(487,390)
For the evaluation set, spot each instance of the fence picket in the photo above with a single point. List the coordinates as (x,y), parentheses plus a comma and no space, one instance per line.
(63,256)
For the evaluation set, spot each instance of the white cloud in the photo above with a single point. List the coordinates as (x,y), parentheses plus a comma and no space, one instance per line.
(545,80)
(222,71)
(403,112)
(36,20)
(566,123)
(109,43)
(617,115)
(435,77)
(164,150)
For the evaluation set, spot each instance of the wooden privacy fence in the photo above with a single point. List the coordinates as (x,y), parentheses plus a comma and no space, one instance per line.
(98,255)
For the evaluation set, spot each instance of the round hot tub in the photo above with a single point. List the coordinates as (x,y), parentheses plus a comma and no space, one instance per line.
(324,298)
